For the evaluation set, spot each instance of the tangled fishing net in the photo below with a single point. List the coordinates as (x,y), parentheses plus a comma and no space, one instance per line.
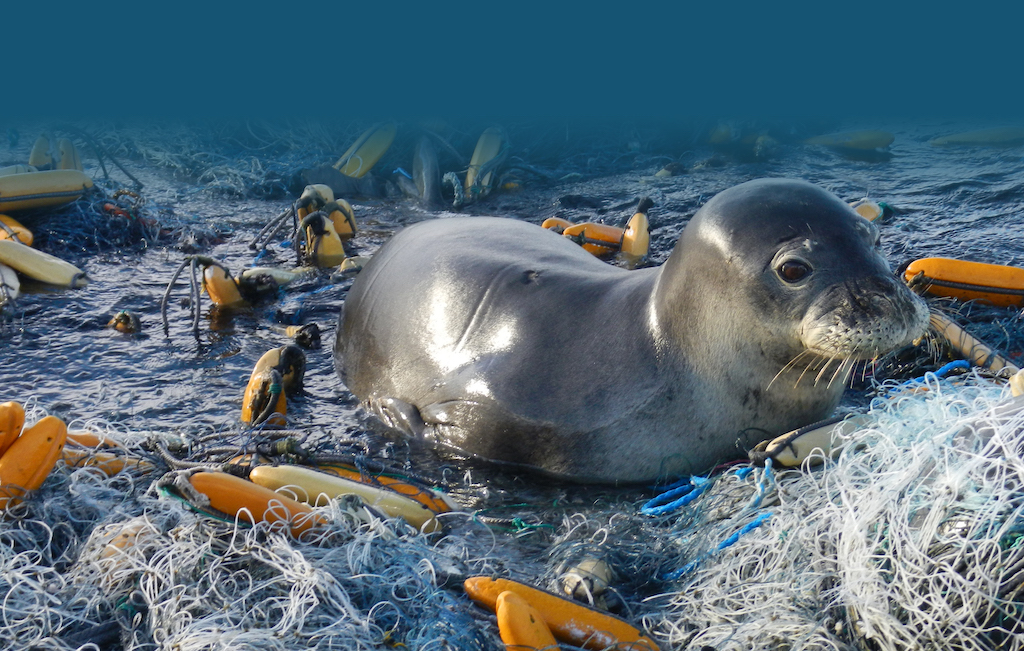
(910,538)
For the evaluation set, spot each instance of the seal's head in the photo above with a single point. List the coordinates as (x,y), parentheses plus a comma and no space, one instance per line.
(818,292)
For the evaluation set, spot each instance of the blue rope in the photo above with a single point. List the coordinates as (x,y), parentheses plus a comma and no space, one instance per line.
(946,369)
(767,481)
(728,542)
(744,471)
(939,373)
(676,498)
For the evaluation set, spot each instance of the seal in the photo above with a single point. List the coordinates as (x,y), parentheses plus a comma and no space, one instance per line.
(508,342)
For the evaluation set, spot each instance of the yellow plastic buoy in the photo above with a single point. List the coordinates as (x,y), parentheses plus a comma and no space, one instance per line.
(367,150)
(311,486)
(556,224)
(871,210)
(41,189)
(278,372)
(12,420)
(10,286)
(313,198)
(108,463)
(636,237)
(221,287)
(126,322)
(631,242)
(69,158)
(436,501)
(281,276)
(598,239)
(41,266)
(252,503)
(793,448)
(86,439)
(324,247)
(481,166)
(16,169)
(12,229)
(40,157)
(974,350)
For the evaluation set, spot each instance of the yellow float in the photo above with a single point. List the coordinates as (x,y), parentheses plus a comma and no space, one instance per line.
(311,486)
(28,461)
(489,153)
(249,502)
(40,266)
(367,150)
(632,241)
(42,189)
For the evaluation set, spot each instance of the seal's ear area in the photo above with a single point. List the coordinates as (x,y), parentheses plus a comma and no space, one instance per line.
(866,230)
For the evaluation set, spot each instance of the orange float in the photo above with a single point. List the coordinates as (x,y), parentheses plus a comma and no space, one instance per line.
(998,285)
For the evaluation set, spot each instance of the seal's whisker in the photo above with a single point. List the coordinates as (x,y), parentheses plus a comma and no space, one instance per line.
(804,372)
(790,364)
(846,364)
(820,364)
(824,369)
(812,365)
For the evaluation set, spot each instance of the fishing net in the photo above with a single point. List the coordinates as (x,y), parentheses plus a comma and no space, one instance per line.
(909,538)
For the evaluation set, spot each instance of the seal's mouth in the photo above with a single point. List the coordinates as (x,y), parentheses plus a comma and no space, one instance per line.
(856,321)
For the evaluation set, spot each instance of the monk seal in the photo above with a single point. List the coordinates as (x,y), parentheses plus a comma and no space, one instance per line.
(510,343)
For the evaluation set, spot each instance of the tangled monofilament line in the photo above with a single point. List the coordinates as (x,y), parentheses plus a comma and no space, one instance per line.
(910,538)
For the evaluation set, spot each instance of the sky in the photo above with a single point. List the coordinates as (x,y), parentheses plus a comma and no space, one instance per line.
(530,59)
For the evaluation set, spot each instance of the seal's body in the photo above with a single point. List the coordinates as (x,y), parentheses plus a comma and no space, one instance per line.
(510,343)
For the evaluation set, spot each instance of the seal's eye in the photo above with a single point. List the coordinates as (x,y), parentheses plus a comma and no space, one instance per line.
(793,270)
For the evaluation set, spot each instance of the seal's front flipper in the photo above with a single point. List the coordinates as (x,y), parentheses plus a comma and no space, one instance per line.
(398,414)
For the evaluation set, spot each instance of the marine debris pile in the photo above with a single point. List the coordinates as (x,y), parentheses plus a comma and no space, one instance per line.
(906,534)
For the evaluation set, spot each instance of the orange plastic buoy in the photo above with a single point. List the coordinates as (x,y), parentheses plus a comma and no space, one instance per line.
(12,229)
(520,625)
(998,285)
(569,620)
(29,460)
(433,500)
(251,503)
(599,239)
(12,420)
(108,463)
(556,224)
